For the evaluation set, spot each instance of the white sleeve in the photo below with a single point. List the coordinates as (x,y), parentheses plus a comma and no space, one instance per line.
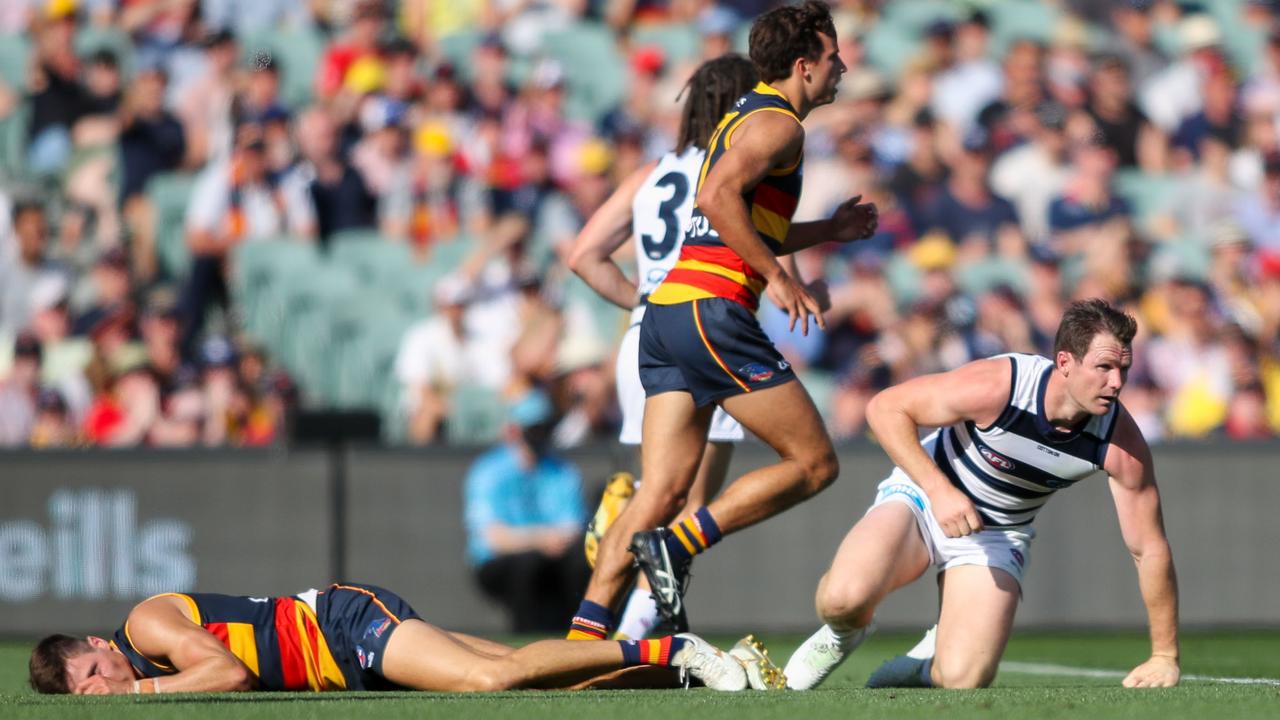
(209,200)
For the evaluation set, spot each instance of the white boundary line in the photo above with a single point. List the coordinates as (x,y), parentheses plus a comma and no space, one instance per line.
(1026,668)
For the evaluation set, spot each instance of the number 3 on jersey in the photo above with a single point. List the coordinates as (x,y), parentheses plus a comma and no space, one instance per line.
(668,213)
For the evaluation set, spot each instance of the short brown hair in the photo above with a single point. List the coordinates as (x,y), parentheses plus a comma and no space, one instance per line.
(1086,319)
(48,666)
(782,35)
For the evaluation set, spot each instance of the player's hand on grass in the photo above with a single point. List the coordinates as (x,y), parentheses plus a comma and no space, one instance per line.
(99,685)
(955,513)
(1159,671)
(791,298)
(855,220)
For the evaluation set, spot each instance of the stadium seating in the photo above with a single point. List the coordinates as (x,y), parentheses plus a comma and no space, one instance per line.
(595,72)
(680,42)
(475,416)
(169,193)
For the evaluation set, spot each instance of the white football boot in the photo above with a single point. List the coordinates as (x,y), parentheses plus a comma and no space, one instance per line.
(820,655)
(762,673)
(715,668)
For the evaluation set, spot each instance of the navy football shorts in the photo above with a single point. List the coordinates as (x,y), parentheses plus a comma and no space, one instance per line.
(357,621)
(711,349)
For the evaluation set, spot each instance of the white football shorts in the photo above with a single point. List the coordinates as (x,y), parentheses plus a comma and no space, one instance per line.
(631,397)
(1008,549)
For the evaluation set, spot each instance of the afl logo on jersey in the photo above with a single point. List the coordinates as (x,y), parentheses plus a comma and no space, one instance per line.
(755,372)
(996,459)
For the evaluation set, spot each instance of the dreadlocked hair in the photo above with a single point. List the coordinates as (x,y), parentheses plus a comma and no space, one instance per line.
(709,94)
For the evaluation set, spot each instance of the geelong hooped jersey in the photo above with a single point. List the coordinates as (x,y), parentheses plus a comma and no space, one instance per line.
(278,639)
(708,268)
(1010,469)
(659,215)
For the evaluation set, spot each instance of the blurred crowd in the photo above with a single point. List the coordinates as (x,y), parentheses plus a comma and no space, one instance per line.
(1021,153)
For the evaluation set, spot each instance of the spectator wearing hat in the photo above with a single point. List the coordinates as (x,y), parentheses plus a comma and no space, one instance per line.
(53,426)
(63,357)
(972,81)
(965,208)
(424,202)
(18,392)
(436,356)
(524,515)
(1132,39)
(232,202)
(1174,93)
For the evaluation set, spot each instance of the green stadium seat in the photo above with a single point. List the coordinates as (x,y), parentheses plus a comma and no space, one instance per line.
(595,72)
(306,343)
(15,54)
(1148,194)
(1021,19)
(366,335)
(679,41)
(297,52)
(258,272)
(993,272)
(475,416)
(92,38)
(456,49)
(889,48)
(913,16)
(821,386)
(13,141)
(374,259)
(169,194)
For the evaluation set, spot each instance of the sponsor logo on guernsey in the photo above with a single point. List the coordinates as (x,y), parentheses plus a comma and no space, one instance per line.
(755,372)
(365,658)
(783,365)
(377,627)
(996,459)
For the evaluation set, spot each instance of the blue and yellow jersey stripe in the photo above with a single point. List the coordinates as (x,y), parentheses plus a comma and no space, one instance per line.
(279,639)
(707,268)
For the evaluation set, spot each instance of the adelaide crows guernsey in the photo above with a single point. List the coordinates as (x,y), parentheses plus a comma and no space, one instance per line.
(1010,468)
(278,638)
(707,268)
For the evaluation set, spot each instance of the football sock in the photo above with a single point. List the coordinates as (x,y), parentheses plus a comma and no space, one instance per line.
(592,622)
(639,617)
(926,675)
(692,535)
(651,652)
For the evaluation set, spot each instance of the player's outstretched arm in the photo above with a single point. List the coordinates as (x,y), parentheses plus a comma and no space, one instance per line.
(977,391)
(1137,499)
(606,231)
(161,630)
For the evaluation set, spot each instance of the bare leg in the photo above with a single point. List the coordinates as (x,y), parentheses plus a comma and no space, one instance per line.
(710,478)
(883,552)
(785,418)
(711,475)
(674,433)
(482,645)
(978,605)
(424,657)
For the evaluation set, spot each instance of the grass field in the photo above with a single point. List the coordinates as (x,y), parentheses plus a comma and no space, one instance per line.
(1047,675)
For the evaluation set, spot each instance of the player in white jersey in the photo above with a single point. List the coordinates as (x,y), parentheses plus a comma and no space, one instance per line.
(653,205)
(1012,430)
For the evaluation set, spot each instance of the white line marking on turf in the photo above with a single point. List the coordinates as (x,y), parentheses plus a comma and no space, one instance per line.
(1027,668)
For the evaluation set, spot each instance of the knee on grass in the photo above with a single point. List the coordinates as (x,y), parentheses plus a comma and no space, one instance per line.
(961,676)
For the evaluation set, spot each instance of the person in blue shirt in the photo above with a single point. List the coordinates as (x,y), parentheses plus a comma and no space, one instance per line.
(524,515)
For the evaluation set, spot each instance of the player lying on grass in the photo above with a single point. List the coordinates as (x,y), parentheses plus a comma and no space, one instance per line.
(1013,430)
(345,637)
